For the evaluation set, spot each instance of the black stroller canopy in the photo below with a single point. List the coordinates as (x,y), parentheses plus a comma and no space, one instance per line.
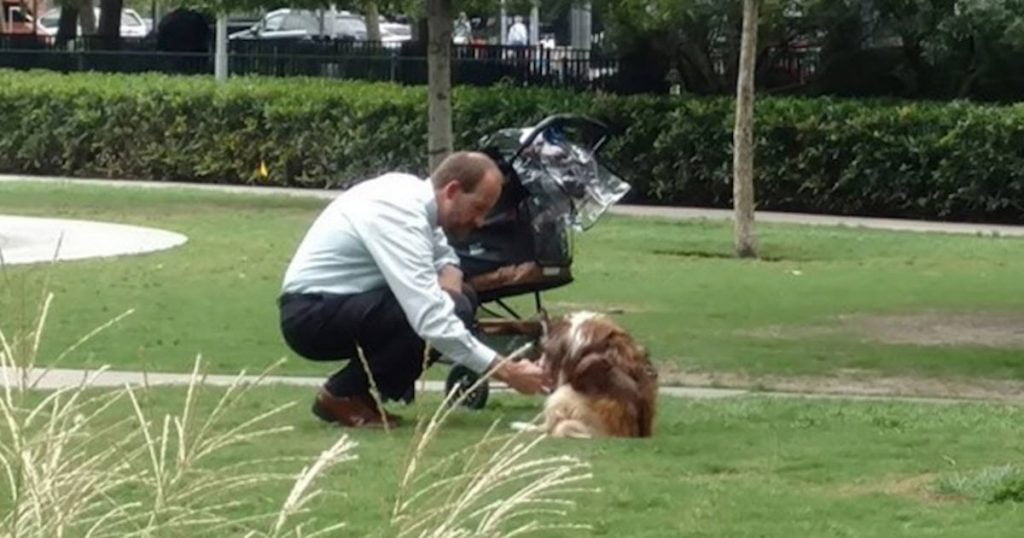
(554,185)
(556,160)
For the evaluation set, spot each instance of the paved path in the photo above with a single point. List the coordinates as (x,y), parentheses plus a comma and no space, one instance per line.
(62,377)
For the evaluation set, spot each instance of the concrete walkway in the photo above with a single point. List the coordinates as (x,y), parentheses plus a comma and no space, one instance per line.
(628,210)
(63,378)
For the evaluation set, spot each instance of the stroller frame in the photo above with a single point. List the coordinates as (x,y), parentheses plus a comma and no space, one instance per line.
(510,325)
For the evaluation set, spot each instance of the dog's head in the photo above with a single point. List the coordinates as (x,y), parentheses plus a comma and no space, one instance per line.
(595,355)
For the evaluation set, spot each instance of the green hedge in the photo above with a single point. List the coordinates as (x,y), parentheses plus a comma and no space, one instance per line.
(932,160)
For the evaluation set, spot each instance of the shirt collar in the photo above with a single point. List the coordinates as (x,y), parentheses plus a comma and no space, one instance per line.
(431,202)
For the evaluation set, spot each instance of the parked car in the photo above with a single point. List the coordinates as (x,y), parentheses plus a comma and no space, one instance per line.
(132,25)
(304,24)
(394,33)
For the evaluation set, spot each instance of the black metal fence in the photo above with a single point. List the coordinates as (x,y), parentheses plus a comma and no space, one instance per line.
(404,63)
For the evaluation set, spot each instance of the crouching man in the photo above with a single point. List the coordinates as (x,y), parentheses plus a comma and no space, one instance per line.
(375,271)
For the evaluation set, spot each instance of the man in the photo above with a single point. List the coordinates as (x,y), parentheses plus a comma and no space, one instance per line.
(518,36)
(463,31)
(375,272)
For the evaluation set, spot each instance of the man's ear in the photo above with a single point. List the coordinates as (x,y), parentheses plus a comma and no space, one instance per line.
(451,190)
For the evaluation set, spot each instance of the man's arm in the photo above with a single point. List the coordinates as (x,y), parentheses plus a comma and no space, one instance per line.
(401,243)
(450,278)
(447,263)
(403,254)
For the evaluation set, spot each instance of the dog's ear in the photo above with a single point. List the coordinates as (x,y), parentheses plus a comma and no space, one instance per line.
(598,373)
(590,374)
(554,348)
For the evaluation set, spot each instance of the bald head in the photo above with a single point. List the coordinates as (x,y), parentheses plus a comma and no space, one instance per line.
(468,168)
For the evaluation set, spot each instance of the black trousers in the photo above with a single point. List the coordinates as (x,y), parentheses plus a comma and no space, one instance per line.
(327,327)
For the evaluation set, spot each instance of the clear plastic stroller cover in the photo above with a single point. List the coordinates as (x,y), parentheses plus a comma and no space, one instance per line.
(564,178)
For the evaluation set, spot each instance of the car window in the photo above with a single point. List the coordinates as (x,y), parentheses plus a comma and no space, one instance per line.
(297,21)
(350,25)
(274,22)
(130,19)
(50,20)
(398,30)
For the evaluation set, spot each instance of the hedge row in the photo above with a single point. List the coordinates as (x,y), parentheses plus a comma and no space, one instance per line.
(932,160)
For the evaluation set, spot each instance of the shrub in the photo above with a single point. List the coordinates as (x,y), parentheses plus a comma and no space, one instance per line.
(954,161)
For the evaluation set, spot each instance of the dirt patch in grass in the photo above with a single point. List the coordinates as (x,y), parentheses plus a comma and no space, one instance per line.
(851,382)
(942,329)
(919,488)
(982,329)
(603,308)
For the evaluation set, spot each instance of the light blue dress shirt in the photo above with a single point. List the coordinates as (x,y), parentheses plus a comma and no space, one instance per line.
(380,233)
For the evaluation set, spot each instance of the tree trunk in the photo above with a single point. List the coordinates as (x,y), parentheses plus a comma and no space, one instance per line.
(67,25)
(745,240)
(535,23)
(220,48)
(109,29)
(439,80)
(87,18)
(372,22)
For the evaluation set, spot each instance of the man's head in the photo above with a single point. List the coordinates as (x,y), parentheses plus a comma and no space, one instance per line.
(466,185)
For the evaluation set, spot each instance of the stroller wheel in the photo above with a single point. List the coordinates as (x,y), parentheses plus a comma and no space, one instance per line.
(460,379)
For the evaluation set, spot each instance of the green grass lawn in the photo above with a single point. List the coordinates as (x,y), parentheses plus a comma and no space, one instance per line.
(752,466)
(749,466)
(823,301)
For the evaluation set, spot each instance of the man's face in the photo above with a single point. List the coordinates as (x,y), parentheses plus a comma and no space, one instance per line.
(466,211)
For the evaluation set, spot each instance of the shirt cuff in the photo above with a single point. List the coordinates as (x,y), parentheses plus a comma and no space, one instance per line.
(439,264)
(479,358)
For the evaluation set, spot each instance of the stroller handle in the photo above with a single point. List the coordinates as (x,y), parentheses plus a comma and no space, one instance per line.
(564,120)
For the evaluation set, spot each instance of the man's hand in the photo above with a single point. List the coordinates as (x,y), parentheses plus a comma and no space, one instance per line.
(450,278)
(523,376)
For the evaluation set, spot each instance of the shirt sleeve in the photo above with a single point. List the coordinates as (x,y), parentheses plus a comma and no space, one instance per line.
(444,254)
(402,244)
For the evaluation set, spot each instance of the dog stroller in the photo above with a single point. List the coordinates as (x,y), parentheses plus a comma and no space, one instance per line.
(553,187)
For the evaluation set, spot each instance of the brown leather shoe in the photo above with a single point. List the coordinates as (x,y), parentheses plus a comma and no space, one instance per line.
(352,411)
(393,420)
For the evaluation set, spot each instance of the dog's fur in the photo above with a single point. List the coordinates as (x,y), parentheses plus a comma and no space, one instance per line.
(604,382)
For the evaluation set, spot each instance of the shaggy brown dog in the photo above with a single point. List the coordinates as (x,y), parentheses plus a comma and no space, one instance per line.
(605,384)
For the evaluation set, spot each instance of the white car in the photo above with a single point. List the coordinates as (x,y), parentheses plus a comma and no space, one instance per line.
(132,24)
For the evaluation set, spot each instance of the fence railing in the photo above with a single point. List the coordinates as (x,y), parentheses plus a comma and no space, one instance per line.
(480,65)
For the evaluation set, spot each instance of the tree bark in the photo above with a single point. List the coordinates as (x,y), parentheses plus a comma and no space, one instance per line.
(220,49)
(439,81)
(744,238)
(109,29)
(87,18)
(67,25)
(372,22)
